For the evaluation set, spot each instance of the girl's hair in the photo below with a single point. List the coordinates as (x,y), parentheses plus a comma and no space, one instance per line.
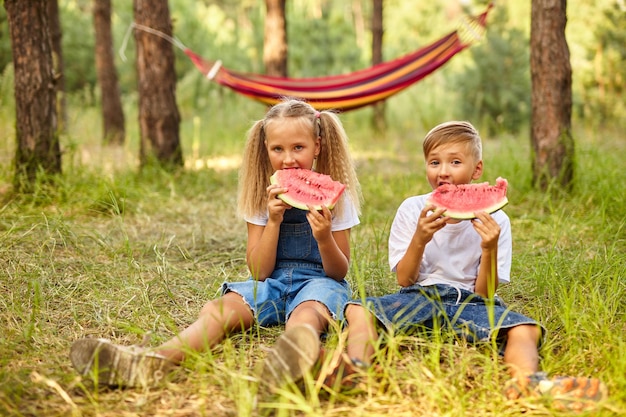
(451,133)
(334,158)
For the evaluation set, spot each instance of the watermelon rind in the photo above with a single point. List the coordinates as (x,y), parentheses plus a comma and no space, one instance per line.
(465,215)
(334,190)
(458,193)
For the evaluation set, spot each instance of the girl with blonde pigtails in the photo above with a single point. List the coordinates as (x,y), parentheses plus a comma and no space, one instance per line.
(298,259)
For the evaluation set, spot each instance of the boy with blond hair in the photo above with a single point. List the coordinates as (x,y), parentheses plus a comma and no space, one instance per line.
(449,271)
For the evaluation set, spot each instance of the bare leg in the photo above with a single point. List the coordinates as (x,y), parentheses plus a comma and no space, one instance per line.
(362,334)
(216,320)
(521,353)
(566,392)
(313,313)
(133,366)
(298,349)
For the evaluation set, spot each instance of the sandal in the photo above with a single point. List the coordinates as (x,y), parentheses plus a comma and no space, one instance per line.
(565,392)
(346,375)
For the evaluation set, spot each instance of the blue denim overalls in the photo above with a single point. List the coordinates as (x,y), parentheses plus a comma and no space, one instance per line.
(298,276)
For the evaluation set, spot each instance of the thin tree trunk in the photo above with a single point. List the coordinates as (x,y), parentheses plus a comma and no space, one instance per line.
(54,23)
(275,43)
(551,75)
(378,120)
(359,22)
(113,122)
(159,119)
(38,149)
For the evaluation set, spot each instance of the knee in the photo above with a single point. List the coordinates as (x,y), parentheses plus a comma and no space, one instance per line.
(526,332)
(310,311)
(355,313)
(223,307)
(212,309)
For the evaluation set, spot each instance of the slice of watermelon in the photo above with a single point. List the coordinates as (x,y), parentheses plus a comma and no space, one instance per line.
(462,201)
(306,187)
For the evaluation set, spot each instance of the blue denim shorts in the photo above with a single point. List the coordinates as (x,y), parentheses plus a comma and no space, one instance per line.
(272,301)
(439,307)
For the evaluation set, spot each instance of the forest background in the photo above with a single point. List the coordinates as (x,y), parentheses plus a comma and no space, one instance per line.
(332,37)
(115,253)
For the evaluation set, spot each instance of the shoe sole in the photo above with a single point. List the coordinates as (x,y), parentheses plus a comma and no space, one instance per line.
(113,365)
(575,393)
(294,354)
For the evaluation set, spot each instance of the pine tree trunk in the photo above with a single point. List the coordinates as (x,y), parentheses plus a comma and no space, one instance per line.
(113,122)
(275,42)
(378,118)
(54,23)
(159,120)
(551,75)
(38,148)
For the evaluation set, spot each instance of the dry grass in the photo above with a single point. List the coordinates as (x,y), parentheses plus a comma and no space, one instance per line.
(110,253)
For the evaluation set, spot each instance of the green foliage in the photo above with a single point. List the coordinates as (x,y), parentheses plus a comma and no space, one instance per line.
(7,93)
(489,83)
(495,86)
(602,94)
(329,49)
(5,41)
(78,44)
(410,25)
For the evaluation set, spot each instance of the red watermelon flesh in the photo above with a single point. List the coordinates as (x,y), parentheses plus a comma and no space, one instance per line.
(462,201)
(306,187)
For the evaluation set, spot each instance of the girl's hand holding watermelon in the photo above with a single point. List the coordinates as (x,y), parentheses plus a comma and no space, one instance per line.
(321,222)
(275,206)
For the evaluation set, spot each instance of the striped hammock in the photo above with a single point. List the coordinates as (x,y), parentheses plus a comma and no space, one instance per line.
(347,91)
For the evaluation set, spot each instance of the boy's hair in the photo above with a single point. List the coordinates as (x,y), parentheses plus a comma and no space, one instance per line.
(334,158)
(451,133)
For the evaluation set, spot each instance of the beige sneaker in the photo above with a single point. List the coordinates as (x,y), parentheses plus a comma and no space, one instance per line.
(294,354)
(115,365)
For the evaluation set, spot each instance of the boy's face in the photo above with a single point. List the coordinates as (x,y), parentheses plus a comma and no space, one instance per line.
(452,164)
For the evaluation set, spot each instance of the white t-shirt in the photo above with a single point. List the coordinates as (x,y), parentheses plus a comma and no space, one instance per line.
(347,220)
(452,257)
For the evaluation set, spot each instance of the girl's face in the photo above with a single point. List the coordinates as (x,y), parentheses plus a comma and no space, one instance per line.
(452,164)
(290,143)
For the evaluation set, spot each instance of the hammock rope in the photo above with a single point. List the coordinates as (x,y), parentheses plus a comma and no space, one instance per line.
(346,91)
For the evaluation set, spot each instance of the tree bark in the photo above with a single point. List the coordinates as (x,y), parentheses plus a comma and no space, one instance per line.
(38,149)
(551,75)
(113,123)
(159,119)
(275,42)
(378,119)
(54,23)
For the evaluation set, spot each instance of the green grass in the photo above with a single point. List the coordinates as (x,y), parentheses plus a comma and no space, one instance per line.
(112,253)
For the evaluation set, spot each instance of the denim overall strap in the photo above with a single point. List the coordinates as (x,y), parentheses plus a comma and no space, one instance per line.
(296,244)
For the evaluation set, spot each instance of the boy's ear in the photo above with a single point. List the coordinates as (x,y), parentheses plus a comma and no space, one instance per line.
(478,171)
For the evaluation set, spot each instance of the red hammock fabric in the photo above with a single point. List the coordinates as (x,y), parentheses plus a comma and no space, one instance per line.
(347,91)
